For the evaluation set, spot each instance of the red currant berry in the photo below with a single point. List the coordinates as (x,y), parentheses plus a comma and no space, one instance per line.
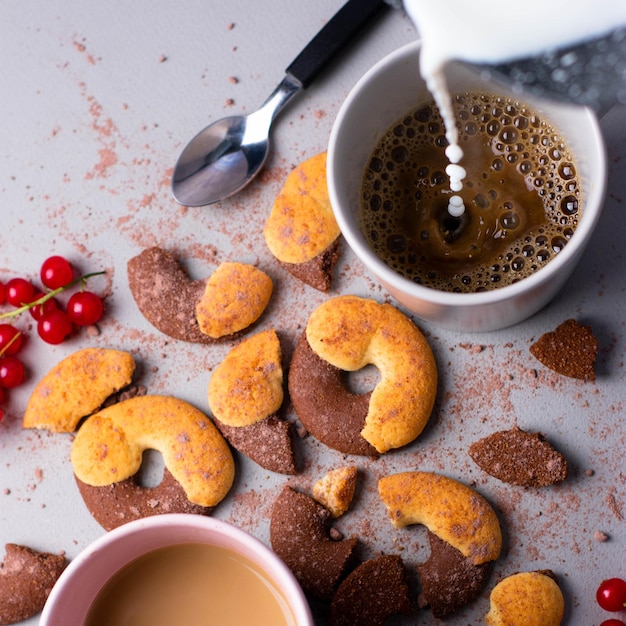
(84,308)
(19,291)
(11,372)
(612,622)
(10,340)
(39,310)
(56,272)
(54,327)
(3,293)
(611,594)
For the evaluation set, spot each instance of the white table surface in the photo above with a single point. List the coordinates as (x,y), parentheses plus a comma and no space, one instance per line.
(96,101)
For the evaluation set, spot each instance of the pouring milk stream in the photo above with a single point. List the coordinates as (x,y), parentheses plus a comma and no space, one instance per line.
(482,32)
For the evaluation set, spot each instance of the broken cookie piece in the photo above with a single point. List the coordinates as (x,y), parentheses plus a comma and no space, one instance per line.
(374,591)
(301,231)
(519,458)
(245,393)
(336,489)
(299,535)
(571,350)
(26,579)
(76,387)
(449,579)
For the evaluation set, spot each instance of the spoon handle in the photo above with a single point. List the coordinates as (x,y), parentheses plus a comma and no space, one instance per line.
(337,32)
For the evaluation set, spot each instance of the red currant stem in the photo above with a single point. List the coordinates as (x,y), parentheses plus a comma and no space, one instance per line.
(48,296)
(11,342)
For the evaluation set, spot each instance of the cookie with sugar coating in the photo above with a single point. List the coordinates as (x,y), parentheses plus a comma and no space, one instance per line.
(109,446)
(347,333)
(76,387)
(301,230)
(245,395)
(526,599)
(197,311)
(451,510)
(26,579)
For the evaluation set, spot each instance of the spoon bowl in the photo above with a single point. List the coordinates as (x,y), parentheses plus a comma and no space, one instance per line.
(218,163)
(224,157)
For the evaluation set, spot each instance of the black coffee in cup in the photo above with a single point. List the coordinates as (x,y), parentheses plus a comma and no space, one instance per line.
(522,196)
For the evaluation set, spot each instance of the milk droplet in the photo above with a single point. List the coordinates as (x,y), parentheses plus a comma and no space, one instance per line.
(456,207)
(456,173)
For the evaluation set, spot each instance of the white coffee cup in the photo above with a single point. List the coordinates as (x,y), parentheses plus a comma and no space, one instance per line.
(392,88)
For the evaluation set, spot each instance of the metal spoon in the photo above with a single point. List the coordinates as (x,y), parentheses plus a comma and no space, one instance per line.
(224,157)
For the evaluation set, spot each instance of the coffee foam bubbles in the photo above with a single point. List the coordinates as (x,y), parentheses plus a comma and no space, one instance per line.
(521,193)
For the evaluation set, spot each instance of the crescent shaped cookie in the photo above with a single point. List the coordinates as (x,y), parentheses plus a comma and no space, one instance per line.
(449,509)
(109,446)
(245,394)
(348,333)
(76,387)
(198,311)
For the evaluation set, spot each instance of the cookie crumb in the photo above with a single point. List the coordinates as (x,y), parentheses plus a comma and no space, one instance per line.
(598,535)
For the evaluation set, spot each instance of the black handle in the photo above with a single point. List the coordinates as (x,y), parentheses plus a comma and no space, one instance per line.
(339,30)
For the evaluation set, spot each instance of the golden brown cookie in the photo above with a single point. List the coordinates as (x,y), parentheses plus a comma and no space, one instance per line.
(26,579)
(247,385)
(526,599)
(464,534)
(76,387)
(348,333)
(245,395)
(198,311)
(448,508)
(109,446)
(335,490)
(301,231)
(571,350)
(235,296)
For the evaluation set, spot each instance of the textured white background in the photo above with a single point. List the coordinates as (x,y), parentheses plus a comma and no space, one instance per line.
(96,101)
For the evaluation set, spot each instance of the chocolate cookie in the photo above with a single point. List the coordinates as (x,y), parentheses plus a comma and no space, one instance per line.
(267,442)
(124,501)
(329,411)
(449,579)
(571,350)
(519,458)
(299,535)
(374,591)
(165,294)
(199,311)
(26,579)
(317,272)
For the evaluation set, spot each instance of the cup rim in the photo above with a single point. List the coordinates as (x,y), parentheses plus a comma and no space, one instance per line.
(268,560)
(438,297)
